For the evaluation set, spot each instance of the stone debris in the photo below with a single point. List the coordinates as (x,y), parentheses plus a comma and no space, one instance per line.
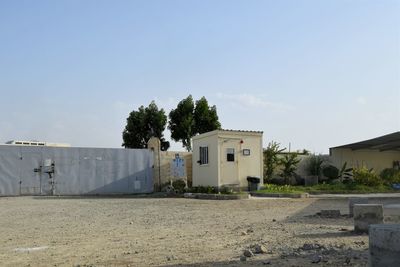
(248,253)
(308,246)
(243,258)
(260,249)
(360,243)
(170,258)
(316,259)
(250,230)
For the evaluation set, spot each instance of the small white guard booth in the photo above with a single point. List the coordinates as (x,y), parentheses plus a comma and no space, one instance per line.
(226,158)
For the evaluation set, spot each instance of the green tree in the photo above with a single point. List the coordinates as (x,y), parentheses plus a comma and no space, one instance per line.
(189,119)
(271,160)
(181,122)
(205,117)
(289,163)
(142,125)
(314,165)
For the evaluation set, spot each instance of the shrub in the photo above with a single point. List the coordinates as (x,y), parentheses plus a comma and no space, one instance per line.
(289,165)
(281,189)
(331,172)
(390,175)
(343,175)
(226,190)
(271,160)
(204,189)
(211,190)
(368,177)
(314,165)
(179,185)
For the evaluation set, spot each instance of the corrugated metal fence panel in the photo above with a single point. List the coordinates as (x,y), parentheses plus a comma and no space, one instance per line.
(115,171)
(142,170)
(9,171)
(77,170)
(90,173)
(66,161)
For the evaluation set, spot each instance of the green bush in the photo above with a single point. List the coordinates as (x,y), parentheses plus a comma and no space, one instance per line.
(365,176)
(179,185)
(272,188)
(343,174)
(390,176)
(331,172)
(204,189)
(314,165)
(211,190)
(226,190)
(350,187)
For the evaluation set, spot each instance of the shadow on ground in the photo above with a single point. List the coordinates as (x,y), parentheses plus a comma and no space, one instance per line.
(117,196)
(343,257)
(309,214)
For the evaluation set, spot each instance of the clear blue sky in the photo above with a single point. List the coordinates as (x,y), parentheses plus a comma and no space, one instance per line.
(313,73)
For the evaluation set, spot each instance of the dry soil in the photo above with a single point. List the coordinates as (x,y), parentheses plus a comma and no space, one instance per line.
(76,231)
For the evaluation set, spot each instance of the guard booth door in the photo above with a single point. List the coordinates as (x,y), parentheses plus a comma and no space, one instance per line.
(229,163)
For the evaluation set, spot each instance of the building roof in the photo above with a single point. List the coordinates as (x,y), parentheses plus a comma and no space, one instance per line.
(240,131)
(382,143)
(228,132)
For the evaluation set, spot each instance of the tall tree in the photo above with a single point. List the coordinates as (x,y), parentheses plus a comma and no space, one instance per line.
(142,125)
(189,119)
(181,122)
(205,117)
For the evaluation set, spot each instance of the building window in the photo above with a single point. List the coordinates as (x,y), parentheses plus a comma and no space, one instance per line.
(230,154)
(203,155)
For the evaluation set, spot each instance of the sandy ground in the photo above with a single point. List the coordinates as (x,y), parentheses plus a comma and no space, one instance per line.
(44,231)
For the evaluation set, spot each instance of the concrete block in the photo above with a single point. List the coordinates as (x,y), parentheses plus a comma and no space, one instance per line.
(356,200)
(365,215)
(384,245)
(391,213)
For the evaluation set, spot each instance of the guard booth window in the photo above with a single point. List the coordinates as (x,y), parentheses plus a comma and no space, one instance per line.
(230,154)
(203,155)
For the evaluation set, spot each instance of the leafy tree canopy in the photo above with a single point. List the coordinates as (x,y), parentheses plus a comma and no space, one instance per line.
(142,125)
(205,117)
(189,119)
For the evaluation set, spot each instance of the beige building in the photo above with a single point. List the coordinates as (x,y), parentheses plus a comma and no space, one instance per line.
(378,153)
(227,158)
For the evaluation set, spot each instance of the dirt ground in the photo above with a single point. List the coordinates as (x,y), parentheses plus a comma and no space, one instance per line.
(73,231)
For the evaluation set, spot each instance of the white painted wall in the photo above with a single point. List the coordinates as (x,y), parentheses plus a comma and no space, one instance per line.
(205,175)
